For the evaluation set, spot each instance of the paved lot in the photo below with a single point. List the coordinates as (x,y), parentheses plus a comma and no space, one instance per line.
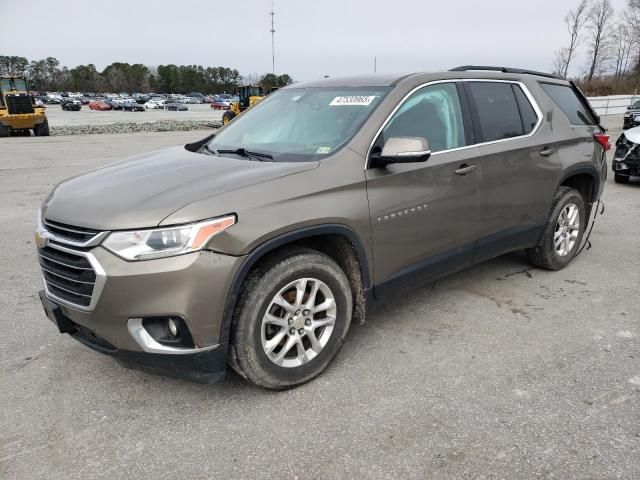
(58,117)
(499,372)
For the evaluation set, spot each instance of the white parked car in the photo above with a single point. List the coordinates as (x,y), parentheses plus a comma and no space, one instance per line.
(155,104)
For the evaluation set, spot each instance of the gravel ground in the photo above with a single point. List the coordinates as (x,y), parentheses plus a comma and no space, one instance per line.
(499,372)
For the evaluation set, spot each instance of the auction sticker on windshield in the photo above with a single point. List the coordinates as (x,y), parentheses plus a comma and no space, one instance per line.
(353,100)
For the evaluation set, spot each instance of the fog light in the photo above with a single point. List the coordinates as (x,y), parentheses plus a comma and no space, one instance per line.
(173,327)
(169,330)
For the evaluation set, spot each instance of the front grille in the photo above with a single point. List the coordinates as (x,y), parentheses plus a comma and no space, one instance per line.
(68,232)
(68,276)
(19,103)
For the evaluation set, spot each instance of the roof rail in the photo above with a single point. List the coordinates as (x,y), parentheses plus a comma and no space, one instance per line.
(466,68)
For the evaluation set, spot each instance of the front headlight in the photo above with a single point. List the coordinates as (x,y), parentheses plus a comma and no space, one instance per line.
(166,242)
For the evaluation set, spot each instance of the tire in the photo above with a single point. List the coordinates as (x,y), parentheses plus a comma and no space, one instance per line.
(546,255)
(227,117)
(42,130)
(4,131)
(248,330)
(621,178)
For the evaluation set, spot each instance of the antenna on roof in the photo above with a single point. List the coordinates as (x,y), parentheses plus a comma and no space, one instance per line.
(273,33)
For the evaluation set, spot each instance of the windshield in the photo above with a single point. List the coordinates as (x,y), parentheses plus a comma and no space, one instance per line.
(7,84)
(300,124)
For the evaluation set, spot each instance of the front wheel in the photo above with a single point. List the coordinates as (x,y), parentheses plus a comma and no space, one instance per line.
(227,117)
(563,232)
(291,319)
(42,129)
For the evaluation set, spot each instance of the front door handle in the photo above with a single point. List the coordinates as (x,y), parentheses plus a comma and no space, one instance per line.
(465,169)
(547,151)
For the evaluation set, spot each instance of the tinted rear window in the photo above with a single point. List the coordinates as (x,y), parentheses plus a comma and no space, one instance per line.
(497,110)
(567,100)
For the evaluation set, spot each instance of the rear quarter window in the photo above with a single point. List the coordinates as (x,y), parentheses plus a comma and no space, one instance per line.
(528,114)
(567,100)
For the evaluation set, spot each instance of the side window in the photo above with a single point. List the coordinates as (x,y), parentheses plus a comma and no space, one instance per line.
(497,110)
(434,113)
(565,98)
(528,114)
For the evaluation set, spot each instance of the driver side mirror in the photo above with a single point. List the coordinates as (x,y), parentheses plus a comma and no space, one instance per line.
(402,150)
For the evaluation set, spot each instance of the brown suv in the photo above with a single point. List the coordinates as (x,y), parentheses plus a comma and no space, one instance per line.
(259,245)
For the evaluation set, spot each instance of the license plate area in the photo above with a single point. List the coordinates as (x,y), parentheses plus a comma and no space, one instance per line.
(54,313)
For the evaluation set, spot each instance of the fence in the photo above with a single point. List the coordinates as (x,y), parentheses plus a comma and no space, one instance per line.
(612,104)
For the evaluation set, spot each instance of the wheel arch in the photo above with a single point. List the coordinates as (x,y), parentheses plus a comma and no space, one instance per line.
(585,179)
(312,237)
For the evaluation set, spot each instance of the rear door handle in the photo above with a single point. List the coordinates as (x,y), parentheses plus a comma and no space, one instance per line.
(465,169)
(547,151)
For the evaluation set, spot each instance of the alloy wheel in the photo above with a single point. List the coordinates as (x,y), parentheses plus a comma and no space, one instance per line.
(567,229)
(298,322)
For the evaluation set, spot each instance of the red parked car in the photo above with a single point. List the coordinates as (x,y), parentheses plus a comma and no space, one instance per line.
(99,105)
(220,105)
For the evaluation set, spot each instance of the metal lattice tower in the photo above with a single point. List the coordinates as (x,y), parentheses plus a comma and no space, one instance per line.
(273,34)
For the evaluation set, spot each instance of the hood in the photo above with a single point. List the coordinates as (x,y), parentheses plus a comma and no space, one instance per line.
(632,134)
(144,190)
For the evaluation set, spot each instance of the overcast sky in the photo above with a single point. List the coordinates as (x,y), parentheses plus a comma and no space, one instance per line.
(313,38)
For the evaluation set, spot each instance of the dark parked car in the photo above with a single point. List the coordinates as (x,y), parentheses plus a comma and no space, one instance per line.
(71,104)
(632,116)
(175,106)
(626,161)
(260,244)
(132,106)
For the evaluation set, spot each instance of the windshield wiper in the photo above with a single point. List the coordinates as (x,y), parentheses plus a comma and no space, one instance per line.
(243,152)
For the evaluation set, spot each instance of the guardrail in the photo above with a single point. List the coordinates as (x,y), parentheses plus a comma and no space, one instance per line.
(613,104)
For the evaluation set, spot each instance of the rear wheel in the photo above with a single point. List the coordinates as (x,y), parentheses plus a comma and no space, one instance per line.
(292,317)
(619,178)
(563,233)
(42,129)
(4,131)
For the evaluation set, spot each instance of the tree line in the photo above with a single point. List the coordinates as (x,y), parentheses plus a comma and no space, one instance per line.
(610,42)
(48,75)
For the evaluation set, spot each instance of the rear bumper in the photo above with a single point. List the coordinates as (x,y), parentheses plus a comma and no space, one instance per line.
(206,366)
(21,120)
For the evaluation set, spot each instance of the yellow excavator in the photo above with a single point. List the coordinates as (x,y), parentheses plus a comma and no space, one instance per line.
(18,110)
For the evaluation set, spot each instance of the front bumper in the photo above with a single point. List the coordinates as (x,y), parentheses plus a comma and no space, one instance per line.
(206,366)
(192,287)
(626,167)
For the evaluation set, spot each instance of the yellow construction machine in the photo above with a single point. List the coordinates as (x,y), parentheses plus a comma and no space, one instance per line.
(248,96)
(18,110)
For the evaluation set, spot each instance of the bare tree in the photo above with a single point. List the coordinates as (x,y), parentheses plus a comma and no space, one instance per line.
(623,43)
(633,18)
(600,15)
(559,65)
(575,20)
